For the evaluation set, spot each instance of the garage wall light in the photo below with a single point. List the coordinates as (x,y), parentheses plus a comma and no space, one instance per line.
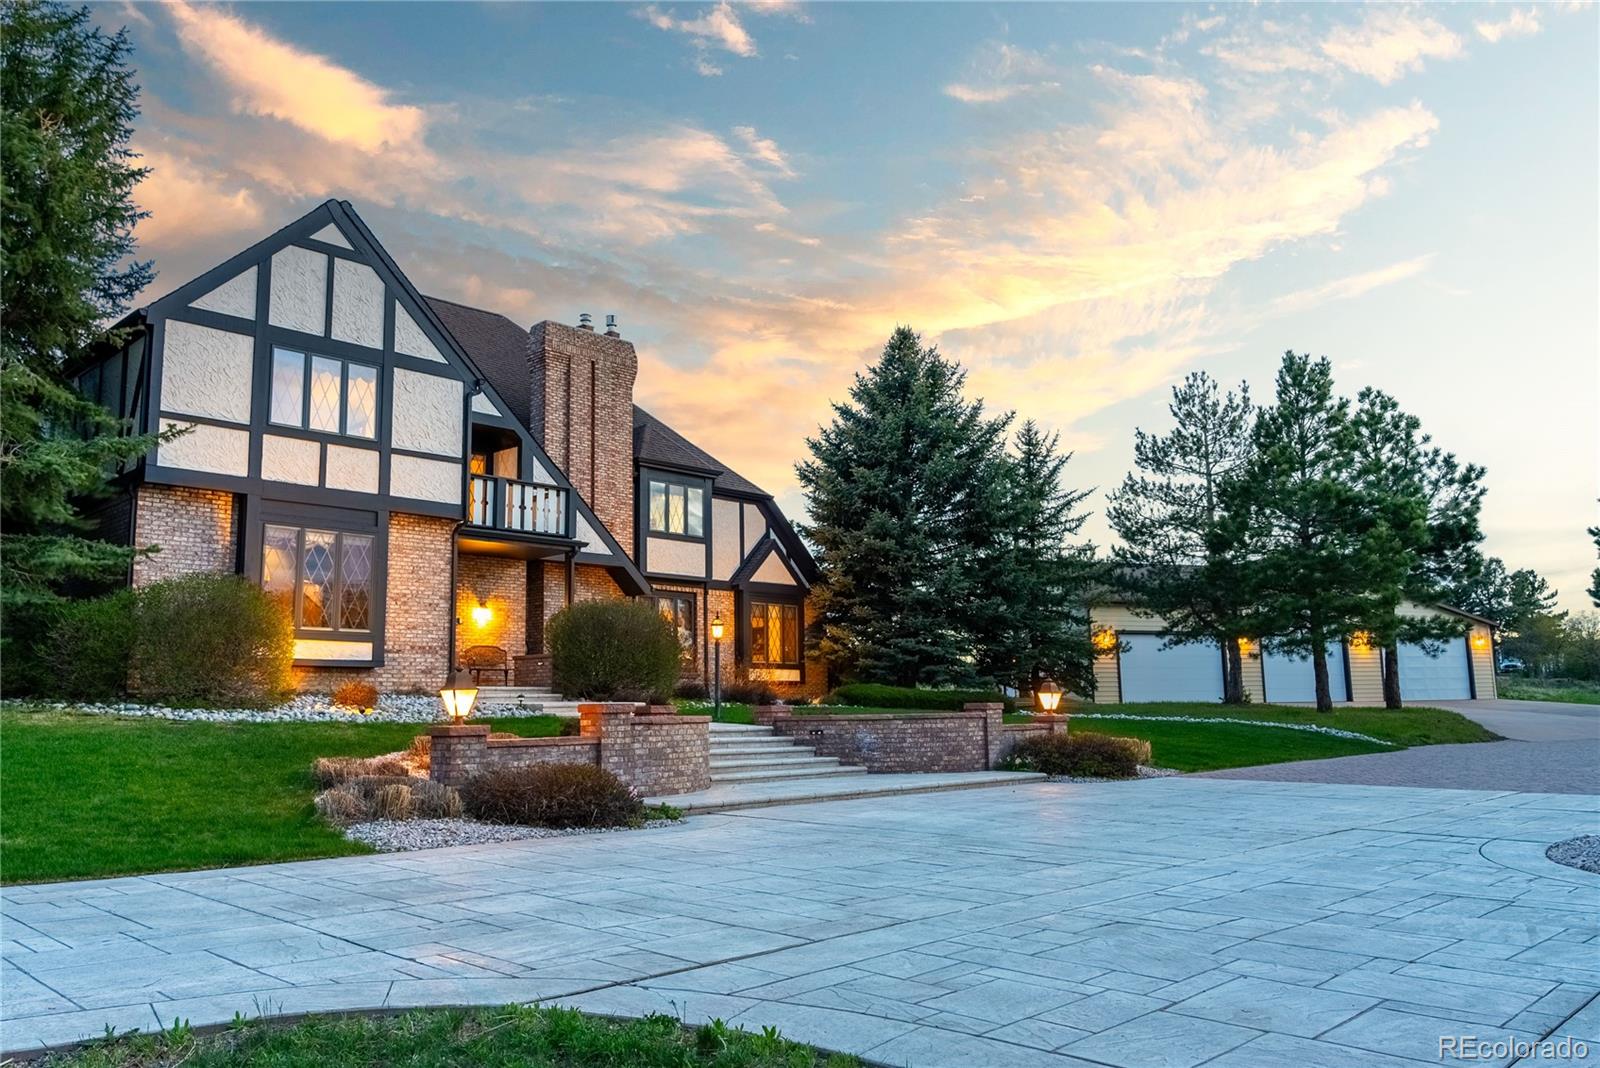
(1104,640)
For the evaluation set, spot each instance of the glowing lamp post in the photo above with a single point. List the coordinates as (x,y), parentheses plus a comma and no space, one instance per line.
(459,695)
(716,667)
(1048,696)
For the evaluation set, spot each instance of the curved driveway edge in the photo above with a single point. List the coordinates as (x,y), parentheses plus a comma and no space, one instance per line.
(1571,767)
(1226,922)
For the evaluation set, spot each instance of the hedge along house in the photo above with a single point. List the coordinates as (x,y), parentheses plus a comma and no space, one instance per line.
(1133,663)
(413,477)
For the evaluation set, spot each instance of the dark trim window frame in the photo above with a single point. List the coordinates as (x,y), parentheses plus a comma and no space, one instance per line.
(301,384)
(675,508)
(774,633)
(679,609)
(323,576)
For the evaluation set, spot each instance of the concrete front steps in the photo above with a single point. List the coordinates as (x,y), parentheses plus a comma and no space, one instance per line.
(742,753)
(508,699)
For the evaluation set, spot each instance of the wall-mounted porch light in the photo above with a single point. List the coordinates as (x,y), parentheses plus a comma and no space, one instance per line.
(1247,647)
(482,613)
(1361,640)
(1480,641)
(459,695)
(1104,640)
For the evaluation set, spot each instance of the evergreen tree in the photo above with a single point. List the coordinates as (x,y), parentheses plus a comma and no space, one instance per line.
(1323,563)
(1429,502)
(1172,559)
(895,488)
(66,235)
(1594,576)
(1508,599)
(1038,582)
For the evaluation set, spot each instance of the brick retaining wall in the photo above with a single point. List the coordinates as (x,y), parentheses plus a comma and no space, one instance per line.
(974,739)
(653,753)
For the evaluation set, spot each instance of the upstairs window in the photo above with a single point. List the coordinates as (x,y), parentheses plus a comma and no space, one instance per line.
(677,509)
(323,578)
(322,393)
(774,634)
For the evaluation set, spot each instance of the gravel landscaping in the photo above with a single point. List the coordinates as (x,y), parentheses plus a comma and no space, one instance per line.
(1144,773)
(401,836)
(1582,852)
(306,708)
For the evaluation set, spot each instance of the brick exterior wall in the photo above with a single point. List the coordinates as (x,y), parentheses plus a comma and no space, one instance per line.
(654,754)
(417,611)
(196,530)
(583,414)
(502,583)
(974,739)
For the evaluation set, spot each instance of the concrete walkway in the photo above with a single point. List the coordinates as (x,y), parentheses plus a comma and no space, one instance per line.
(728,796)
(1166,923)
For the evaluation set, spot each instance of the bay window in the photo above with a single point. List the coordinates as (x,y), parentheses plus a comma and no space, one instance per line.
(323,578)
(774,634)
(321,393)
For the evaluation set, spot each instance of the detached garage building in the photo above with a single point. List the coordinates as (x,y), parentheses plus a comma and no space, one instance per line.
(1135,664)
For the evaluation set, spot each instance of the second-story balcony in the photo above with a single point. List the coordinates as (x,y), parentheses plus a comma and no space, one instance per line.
(521,507)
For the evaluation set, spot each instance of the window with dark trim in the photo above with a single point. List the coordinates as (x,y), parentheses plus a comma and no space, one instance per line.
(774,634)
(321,393)
(678,610)
(676,508)
(323,578)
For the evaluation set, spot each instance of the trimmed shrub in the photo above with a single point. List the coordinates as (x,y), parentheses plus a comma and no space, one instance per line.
(1083,755)
(612,651)
(89,649)
(691,690)
(748,692)
(552,795)
(332,771)
(362,695)
(211,639)
(879,695)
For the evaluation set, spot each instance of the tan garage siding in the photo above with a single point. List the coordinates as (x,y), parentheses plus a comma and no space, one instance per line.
(1107,686)
(1481,650)
(1366,674)
(1121,617)
(1254,672)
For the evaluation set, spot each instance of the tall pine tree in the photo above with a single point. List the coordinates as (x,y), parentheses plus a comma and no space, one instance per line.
(1171,559)
(1429,502)
(66,241)
(1322,565)
(894,488)
(1038,582)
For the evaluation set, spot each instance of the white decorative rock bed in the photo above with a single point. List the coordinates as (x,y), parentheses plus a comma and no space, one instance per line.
(306,708)
(399,836)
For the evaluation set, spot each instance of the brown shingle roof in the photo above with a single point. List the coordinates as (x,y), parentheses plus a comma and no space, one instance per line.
(497,345)
(656,442)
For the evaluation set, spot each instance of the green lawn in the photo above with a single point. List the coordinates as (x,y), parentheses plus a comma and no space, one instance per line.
(1574,691)
(1212,746)
(509,1037)
(1405,726)
(90,796)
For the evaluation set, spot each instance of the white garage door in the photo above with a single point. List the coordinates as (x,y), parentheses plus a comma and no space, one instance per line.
(1290,676)
(1179,673)
(1434,678)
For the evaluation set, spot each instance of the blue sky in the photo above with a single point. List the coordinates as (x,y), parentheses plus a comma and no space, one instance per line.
(1080,202)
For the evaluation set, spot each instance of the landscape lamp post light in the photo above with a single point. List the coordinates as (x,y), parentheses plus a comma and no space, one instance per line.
(1047,696)
(459,695)
(716,667)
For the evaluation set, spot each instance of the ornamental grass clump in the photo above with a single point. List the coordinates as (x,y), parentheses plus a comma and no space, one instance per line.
(1081,755)
(388,797)
(552,795)
(331,771)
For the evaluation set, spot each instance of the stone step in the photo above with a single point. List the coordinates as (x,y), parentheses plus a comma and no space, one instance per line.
(740,728)
(768,775)
(754,748)
(802,759)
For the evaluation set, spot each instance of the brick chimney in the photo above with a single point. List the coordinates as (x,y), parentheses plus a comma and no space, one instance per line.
(582,412)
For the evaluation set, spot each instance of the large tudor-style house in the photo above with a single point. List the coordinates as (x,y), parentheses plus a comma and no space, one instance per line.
(413,477)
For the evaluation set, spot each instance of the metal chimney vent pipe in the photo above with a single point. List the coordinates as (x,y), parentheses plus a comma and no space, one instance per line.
(611,326)
(585,321)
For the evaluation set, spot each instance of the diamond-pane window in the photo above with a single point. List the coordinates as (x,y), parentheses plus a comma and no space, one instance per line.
(355,596)
(316,587)
(280,563)
(325,390)
(361,402)
(288,386)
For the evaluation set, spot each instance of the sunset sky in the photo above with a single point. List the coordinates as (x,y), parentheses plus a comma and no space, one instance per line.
(1079,202)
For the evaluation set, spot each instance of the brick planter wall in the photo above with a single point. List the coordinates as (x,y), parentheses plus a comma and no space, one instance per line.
(969,740)
(974,739)
(654,754)
(533,669)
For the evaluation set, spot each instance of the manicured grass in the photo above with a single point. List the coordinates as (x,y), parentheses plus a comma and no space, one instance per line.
(1572,691)
(91,796)
(1213,746)
(1405,726)
(509,1037)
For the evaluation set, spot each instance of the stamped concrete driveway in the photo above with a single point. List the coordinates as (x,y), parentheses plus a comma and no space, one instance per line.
(1550,748)
(1163,923)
